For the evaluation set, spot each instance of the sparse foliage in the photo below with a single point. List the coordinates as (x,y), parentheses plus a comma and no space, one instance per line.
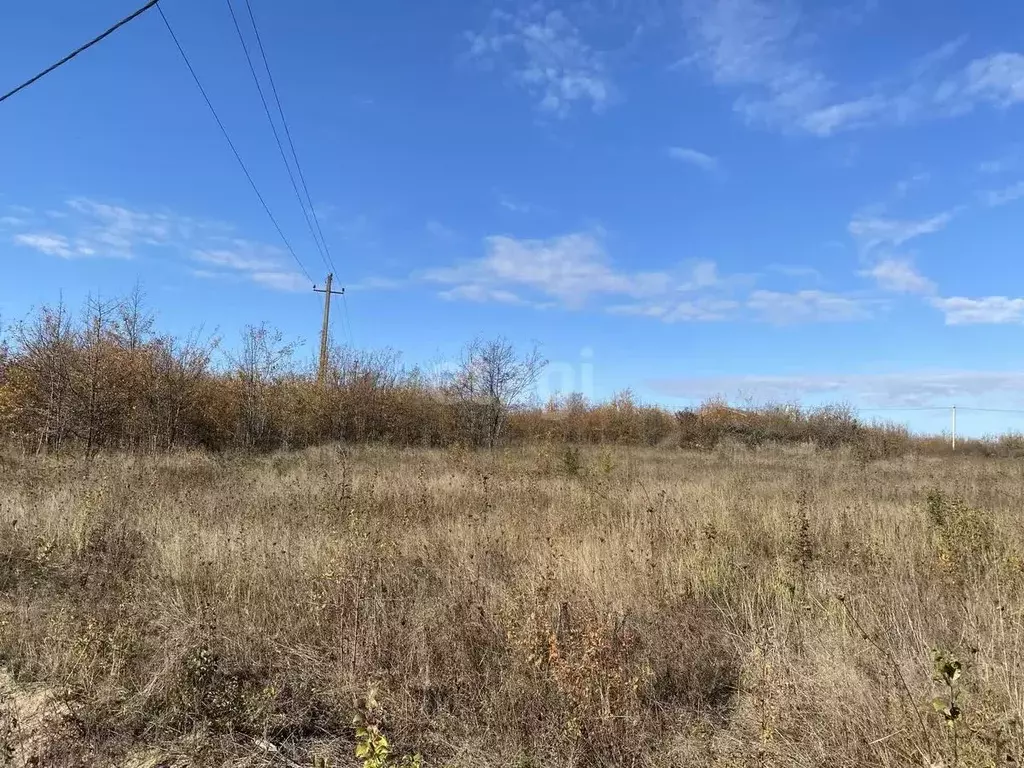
(491,379)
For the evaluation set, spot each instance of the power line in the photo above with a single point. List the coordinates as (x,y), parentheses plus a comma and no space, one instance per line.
(79,50)
(277,136)
(907,408)
(231,144)
(989,410)
(288,134)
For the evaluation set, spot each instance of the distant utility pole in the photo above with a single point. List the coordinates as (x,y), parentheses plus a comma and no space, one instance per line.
(954,427)
(321,374)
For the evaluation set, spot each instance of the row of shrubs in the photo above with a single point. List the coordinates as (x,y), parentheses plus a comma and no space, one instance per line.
(106,380)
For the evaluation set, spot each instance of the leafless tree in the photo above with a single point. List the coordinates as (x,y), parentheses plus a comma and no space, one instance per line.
(491,379)
(134,323)
(263,359)
(179,368)
(44,345)
(96,383)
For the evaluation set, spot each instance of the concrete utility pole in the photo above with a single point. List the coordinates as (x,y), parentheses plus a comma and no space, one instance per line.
(327,292)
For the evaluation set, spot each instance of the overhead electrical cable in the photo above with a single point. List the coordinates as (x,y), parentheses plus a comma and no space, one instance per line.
(288,134)
(79,50)
(277,136)
(231,144)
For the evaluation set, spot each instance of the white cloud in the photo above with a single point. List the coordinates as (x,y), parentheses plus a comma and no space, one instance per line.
(1003,196)
(263,264)
(480,294)
(1008,162)
(696,310)
(844,116)
(796,270)
(807,306)
(12,221)
(998,78)
(904,186)
(440,231)
(695,158)
(763,51)
(241,255)
(899,276)
(545,54)
(990,310)
(117,231)
(993,166)
(50,244)
(292,282)
(908,389)
(572,271)
(757,48)
(515,206)
(570,268)
(932,60)
(874,231)
(91,228)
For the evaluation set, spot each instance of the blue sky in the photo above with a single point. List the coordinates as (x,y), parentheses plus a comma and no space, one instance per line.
(787,200)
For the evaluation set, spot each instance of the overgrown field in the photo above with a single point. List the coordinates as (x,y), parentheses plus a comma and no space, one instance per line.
(535,607)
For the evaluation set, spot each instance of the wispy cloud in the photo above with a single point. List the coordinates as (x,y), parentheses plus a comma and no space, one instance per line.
(796,270)
(436,229)
(481,294)
(899,276)
(114,230)
(544,53)
(759,49)
(807,306)
(48,243)
(874,231)
(989,310)
(515,206)
(997,197)
(240,255)
(904,186)
(695,158)
(288,281)
(88,228)
(570,268)
(996,79)
(764,52)
(1009,161)
(575,271)
(704,309)
(902,389)
(237,258)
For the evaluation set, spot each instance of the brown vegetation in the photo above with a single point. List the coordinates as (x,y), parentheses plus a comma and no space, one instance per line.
(211,558)
(529,606)
(109,381)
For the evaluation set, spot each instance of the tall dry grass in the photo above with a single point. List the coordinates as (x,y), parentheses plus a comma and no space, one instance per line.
(533,607)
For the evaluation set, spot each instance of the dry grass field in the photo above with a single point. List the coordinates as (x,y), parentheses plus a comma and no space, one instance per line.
(529,607)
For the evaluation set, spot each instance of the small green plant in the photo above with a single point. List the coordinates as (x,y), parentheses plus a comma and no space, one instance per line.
(947,671)
(372,747)
(572,461)
(964,536)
